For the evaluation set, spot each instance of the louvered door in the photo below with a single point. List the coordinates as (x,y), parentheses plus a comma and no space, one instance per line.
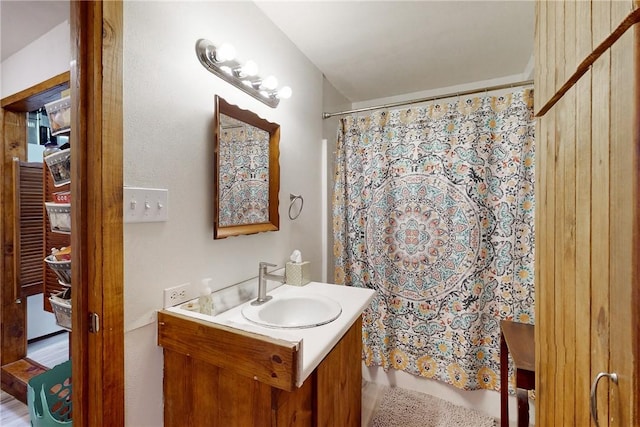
(28,242)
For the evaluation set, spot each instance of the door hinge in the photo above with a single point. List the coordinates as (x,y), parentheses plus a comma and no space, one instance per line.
(94,323)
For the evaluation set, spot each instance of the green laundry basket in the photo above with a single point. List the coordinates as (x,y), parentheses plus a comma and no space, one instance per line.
(49,397)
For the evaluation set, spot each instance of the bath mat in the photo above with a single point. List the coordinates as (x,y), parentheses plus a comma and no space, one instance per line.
(406,408)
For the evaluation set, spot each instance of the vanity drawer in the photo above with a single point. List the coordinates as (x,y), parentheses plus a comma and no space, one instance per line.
(271,361)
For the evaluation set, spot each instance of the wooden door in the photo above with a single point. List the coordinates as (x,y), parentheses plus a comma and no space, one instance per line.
(587,216)
(96,173)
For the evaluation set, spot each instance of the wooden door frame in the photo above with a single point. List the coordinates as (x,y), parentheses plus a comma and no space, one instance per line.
(97,237)
(96,211)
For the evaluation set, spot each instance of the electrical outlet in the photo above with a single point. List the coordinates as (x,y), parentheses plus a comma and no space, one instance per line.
(176,295)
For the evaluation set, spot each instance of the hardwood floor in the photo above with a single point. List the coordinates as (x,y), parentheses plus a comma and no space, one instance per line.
(49,352)
(13,413)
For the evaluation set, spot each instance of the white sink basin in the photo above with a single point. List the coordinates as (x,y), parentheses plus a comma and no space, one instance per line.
(293,311)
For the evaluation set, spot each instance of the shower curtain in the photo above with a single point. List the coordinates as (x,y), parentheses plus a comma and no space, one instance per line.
(433,208)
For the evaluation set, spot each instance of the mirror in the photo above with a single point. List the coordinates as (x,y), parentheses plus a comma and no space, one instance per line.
(247,172)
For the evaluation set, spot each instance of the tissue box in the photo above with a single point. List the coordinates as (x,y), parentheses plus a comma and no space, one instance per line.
(297,273)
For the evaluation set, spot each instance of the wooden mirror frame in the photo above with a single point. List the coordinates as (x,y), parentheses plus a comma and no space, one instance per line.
(249,117)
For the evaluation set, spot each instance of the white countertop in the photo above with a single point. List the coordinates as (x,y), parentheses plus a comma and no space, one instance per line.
(316,342)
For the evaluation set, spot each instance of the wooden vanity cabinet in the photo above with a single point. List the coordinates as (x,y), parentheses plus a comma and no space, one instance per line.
(219,376)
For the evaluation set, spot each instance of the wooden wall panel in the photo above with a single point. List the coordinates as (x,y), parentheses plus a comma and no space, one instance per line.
(601,12)
(587,216)
(561,321)
(559,38)
(540,94)
(635,291)
(566,202)
(539,42)
(539,78)
(545,200)
(583,218)
(560,128)
(624,215)
(543,349)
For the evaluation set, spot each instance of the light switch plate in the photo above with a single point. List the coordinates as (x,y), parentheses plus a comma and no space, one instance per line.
(146,204)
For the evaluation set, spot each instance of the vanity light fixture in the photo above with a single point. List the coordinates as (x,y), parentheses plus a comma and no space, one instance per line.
(221,61)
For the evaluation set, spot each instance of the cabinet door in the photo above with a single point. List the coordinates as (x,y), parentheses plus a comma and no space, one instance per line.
(339,379)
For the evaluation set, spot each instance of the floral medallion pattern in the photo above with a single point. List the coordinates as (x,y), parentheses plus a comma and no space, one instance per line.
(424,240)
(243,178)
(433,208)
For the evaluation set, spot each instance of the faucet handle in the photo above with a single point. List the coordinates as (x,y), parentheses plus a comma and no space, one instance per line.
(267,264)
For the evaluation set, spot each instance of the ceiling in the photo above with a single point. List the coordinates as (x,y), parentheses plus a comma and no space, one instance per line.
(377,49)
(22,22)
(366,49)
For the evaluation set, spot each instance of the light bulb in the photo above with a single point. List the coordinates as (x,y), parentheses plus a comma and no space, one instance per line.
(270,83)
(285,92)
(265,94)
(250,68)
(247,83)
(226,69)
(225,53)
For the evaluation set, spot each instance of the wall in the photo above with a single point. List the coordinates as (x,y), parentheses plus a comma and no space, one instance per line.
(168,143)
(332,101)
(44,58)
(39,322)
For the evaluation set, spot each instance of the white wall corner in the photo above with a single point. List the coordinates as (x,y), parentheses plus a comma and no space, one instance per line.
(529,69)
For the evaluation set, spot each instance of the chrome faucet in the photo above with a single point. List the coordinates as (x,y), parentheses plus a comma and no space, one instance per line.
(263,276)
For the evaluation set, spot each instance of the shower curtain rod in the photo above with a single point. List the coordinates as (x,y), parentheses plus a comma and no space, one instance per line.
(431,98)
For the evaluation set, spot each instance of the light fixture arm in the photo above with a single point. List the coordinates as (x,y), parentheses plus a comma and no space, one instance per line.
(206,52)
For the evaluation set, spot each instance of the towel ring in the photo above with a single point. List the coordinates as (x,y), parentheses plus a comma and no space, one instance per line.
(292,199)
